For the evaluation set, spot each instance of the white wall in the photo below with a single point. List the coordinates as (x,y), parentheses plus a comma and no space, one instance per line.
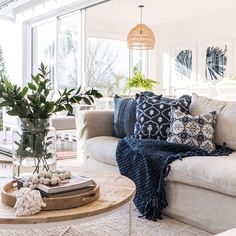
(218,28)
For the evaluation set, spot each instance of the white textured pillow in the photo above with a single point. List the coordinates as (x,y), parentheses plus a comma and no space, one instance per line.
(225,116)
(195,131)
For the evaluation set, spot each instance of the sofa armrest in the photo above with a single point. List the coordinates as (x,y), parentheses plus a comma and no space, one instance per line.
(93,123)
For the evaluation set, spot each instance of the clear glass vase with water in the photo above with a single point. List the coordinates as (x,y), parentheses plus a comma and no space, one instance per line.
(34,147)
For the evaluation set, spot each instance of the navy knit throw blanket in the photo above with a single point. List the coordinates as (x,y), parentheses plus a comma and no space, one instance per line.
(146,162)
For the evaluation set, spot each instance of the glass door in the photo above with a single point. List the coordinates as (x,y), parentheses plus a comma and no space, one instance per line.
(43,47)
(58,44)
(69,51)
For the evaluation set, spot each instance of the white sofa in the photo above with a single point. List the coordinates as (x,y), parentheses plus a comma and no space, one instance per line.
(201,191)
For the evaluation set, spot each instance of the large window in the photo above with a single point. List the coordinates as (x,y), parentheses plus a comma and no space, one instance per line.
(43,45)
(139,62)
(60,45)
(57,44)
(107,65)
(69,51)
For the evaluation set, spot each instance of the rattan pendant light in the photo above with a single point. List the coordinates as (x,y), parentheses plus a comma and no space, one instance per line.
(141,36)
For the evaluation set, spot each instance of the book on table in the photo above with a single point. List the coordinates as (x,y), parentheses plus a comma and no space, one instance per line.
(68,193)
(74,183)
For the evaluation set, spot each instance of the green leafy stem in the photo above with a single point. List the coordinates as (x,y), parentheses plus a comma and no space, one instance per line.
(33,141)
(32,101)
(139,81)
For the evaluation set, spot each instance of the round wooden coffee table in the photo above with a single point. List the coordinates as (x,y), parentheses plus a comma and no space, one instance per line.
(116,191)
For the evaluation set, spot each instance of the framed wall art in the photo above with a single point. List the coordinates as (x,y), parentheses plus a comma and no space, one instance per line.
(183,65)
(216,61)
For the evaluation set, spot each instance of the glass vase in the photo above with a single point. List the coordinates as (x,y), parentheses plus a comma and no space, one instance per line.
(34,147)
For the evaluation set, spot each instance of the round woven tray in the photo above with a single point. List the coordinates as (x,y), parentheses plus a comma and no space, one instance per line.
(57,203)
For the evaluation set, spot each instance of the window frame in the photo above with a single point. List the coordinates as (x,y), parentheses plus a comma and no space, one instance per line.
(57,21)
(49,20)
(110,38)
(27,43)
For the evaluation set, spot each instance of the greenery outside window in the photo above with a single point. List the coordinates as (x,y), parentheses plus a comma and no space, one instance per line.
(57,43)
(139,62)
(69,51)
(107,65)
(43,47)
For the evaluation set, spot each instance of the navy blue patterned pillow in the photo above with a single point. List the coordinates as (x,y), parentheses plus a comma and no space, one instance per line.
(153,115)
(125,114)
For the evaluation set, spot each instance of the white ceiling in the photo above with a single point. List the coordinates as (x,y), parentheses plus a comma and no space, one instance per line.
(155,12)
(158,12)
(7,6)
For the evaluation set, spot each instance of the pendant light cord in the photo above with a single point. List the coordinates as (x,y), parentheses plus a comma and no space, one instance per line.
(141,13)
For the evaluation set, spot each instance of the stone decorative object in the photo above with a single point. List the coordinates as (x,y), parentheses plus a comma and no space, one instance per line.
(28,202)
(47,178)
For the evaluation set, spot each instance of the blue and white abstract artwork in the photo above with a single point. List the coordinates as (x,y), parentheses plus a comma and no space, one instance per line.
(184,64)
(216,62)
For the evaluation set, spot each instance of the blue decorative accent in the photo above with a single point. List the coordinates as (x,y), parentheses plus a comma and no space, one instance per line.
(183,63)
(216,62)
(146,162)
(153,115)
(124,116)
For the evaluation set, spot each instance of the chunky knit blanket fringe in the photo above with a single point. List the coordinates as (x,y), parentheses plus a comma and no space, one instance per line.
(146,162)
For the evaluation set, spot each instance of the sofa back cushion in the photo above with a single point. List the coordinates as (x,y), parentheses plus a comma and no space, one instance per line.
(153,115)
(225,118)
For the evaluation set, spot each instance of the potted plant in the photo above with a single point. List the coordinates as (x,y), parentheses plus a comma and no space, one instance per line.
(34,142)
(138,81)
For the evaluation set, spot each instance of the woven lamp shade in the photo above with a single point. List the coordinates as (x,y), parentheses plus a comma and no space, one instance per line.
(141,37)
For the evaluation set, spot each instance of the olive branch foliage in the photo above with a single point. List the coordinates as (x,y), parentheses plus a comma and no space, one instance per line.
(32,101)
(32,104)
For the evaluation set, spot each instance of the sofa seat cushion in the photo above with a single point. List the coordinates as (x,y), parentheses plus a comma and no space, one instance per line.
(209,172)
(102,148)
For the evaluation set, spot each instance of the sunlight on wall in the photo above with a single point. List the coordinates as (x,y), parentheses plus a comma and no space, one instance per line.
(166,71)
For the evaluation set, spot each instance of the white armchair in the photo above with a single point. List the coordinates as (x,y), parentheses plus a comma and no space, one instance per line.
(201,89)
(226,90)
